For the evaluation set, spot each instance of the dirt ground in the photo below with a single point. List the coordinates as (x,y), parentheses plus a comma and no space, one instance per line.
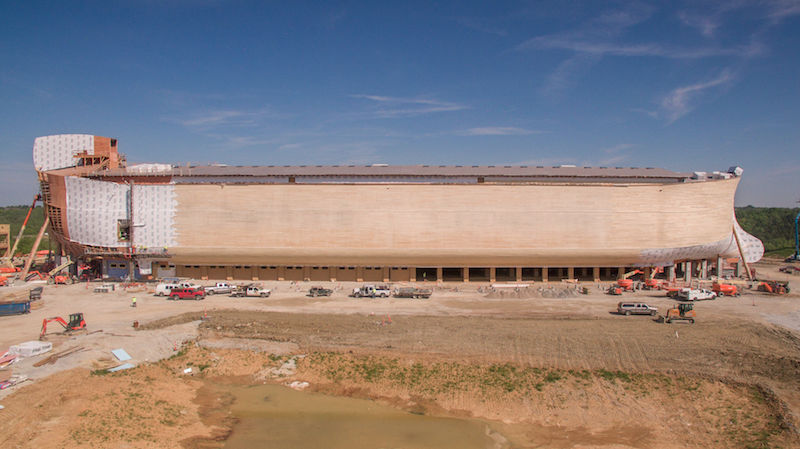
(548,372)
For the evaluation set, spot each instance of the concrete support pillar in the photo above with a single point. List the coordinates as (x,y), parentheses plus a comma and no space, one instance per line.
(704,269)
(620,272)
(439,274)
(671,273)
(204,272)
(412,274)
(687,272)
(492,274)
(739,269)
(720,267)
(596,274)
(229,273)
(359,274)
(386,272)
(519,274)
(571,273)
(544,274)
(466,274)
(281,273)
(306,272)
(333,271)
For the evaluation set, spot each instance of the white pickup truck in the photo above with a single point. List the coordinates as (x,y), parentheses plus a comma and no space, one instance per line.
(251,290)
(219,288)
(696,294)
(372,291)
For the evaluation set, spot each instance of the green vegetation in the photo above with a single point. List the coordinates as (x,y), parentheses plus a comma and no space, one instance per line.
(15,215)
(773,225)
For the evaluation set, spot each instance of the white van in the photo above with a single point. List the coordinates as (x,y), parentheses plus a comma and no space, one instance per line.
(165,288)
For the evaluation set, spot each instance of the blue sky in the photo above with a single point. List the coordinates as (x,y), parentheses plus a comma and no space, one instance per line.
(685,86)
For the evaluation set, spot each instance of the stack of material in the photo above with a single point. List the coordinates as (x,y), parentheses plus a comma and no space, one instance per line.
(7,359)
(53,358)
(13,380)
(31,348)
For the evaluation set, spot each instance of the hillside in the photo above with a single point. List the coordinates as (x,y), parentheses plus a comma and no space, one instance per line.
(773,225)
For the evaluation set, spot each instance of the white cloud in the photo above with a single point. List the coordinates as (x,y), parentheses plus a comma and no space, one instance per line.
(600,48)
(392,107)
(678,102)
(223,117)
(706,25)
(497,131)
(780,9)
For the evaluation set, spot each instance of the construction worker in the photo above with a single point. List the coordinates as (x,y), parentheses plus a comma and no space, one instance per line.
(133,302)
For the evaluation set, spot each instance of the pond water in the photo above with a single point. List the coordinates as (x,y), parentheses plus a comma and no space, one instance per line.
(273,416)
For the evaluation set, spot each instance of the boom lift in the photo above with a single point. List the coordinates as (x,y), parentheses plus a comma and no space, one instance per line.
(76,323)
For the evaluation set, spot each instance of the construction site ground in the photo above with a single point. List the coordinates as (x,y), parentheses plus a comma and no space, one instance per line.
(542,371)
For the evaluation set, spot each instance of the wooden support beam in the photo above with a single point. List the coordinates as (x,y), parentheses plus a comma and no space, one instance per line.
(24,273)
(741,255)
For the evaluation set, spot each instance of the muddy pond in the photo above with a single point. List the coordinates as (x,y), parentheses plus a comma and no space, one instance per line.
(274,416)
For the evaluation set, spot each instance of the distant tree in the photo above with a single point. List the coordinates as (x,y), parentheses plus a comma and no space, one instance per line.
(774,226)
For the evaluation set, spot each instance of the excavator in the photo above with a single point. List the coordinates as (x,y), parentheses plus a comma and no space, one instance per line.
(774,287)
(683,311)
(76,323)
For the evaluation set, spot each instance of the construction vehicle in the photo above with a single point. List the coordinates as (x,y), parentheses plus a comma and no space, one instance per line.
(75,323)
(774,287)
(683,311)
(614,290)
(725,289)
(625,284)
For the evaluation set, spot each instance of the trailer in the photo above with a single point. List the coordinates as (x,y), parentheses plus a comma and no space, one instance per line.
(15,308)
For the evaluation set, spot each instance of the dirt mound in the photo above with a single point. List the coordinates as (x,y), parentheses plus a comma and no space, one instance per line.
(534,292)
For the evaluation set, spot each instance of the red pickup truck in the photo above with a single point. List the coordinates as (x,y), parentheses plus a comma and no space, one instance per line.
(187,293)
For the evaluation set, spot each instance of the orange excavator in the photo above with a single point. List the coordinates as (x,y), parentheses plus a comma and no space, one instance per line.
(76,323)
(774,287)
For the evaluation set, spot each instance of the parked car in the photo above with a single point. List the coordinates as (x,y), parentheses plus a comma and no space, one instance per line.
(187,293)
(319,291)
(372,291)
(635,308)
(219,288)
(164,288)
(696,294)
(251,290)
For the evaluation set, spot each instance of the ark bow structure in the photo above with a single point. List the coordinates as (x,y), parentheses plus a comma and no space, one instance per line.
(382,222)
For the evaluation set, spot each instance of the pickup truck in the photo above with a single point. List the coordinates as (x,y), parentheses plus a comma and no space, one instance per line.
(250,291)
(319,291)
(372,291)
(186,293)
(413,292)
(696,294)
(219,288)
